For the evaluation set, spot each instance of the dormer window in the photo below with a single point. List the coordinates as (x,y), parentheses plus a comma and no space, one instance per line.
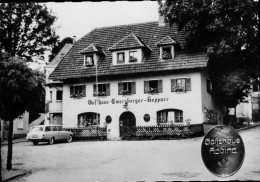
(92,54)
(129,50)
(166,52)
(166,46)
(132,56)
(89,61)
(121,57)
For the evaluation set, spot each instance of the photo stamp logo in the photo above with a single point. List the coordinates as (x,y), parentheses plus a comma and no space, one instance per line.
(223,151)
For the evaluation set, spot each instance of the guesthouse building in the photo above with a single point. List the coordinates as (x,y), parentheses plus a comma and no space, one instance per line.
(133,75)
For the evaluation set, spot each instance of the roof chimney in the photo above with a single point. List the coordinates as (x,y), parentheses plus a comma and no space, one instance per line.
(161,21)
(74,39)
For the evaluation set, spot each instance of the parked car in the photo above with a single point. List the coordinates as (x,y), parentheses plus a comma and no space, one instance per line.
(48,133)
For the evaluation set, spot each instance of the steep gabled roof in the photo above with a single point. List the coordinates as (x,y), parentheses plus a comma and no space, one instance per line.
(166,41)
(56,60)
(149,33)
(130,41)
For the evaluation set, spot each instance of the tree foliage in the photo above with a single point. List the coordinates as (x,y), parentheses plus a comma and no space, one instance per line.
(228,32)
(26,29)
(21,88)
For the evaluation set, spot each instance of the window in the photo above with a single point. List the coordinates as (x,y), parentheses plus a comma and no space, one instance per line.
(89,61)
(20,122)
(78,91)
(88,119)
(59,95)
(166,52)
(255,87)
(133,56)
(47,128)
(121,57)
(209,86)
(101,89)
(51,96)
(153,86)
(181,85)
(36,128)
(178,116)
(169,116)
(126,88)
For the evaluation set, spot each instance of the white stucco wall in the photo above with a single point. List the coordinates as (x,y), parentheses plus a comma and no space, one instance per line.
(190,102)
(21,124)
(207,100)
(55,106)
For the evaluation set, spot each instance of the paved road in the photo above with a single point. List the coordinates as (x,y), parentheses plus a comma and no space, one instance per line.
(127,160)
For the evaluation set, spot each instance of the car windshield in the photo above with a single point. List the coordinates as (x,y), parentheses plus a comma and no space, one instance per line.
(37,129)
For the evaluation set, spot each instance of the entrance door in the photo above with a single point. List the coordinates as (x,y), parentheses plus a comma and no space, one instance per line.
(126,119)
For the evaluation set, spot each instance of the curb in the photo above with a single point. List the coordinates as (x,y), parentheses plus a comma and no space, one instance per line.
(6,142)
(241,129)
(16,176)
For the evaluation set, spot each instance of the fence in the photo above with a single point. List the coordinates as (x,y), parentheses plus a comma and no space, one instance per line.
(160,132)
(139,132)
(89,133)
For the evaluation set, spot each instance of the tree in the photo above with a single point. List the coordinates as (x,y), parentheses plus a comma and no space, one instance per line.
(228,32)
(26,29)
(56,49)
(21,89)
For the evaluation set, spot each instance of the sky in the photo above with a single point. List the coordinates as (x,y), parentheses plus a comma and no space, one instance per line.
(79,18)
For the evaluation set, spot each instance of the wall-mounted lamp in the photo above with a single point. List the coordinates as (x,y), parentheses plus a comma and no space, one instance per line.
(125,106)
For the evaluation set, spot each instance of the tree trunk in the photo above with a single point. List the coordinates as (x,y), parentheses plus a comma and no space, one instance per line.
(10,146)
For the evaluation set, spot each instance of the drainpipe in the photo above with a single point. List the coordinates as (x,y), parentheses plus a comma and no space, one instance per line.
(97,87)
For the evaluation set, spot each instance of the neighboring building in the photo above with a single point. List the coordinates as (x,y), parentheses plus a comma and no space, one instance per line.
(133,75)
(249,110)
(54,89)
(20,126)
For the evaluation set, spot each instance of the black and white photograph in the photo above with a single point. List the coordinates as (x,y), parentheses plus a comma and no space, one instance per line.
(118,91)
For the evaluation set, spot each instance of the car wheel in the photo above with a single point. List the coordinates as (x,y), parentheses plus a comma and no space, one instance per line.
(35,143)
(69,139)
(51,141)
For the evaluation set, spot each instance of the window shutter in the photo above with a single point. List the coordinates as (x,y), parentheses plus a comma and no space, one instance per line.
(108,89)
(83,90)
(133,87)
(120,88)
(188,84)
(95,90)
(71,91)
(173,85)
(160,86)
(146,86)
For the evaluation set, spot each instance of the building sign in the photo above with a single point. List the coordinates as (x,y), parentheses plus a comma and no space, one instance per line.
(222,151)
(149,99)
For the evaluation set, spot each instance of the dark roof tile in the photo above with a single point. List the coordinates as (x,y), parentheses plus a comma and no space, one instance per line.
(166,41)
(149,33)
(128,42)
